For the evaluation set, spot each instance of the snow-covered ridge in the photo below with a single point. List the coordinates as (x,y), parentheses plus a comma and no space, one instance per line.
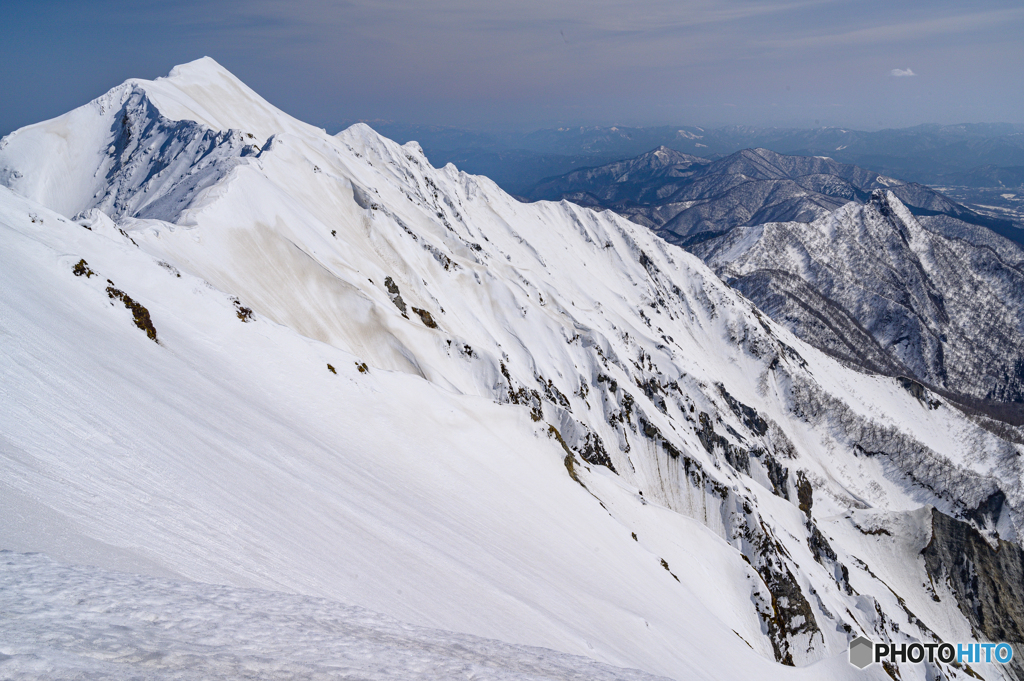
(538,423)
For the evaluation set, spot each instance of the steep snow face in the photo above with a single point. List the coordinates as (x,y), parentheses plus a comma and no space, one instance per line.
(871,285)
(397,386)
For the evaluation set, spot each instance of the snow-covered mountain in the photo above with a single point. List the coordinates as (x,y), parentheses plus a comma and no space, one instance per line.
(236,349)
(933,298)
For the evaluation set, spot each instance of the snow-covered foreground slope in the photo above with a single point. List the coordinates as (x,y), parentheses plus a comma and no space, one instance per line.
(99,624)
(238,350)
(229,453)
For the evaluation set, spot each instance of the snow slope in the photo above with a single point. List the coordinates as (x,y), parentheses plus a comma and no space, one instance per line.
(395,386)
(117,626)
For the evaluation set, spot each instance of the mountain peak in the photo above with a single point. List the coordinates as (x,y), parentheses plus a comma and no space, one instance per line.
(99,134)
(209,94)
(198,69)
(895,212)
(886,202)
(666,156)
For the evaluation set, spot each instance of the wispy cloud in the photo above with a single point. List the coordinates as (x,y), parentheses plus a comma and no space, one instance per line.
(565,61)
(601,18)
(906,31)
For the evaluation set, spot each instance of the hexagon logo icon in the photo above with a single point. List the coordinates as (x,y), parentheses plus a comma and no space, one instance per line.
(861,652)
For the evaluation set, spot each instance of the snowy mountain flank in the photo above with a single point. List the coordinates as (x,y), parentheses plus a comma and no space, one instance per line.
(236,350)
(930,298)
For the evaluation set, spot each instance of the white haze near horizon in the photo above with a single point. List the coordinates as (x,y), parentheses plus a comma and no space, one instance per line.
(526,64)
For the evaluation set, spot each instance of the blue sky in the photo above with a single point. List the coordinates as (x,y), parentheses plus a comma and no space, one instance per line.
(536,63)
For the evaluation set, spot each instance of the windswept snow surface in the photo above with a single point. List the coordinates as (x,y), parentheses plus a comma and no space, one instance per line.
(237,350)
(84,622)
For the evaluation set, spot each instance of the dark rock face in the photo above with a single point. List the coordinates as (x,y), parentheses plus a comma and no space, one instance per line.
(988,582)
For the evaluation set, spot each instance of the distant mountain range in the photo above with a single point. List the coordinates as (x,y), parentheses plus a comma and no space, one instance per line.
(924,153)
(687,199)
(970,155)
